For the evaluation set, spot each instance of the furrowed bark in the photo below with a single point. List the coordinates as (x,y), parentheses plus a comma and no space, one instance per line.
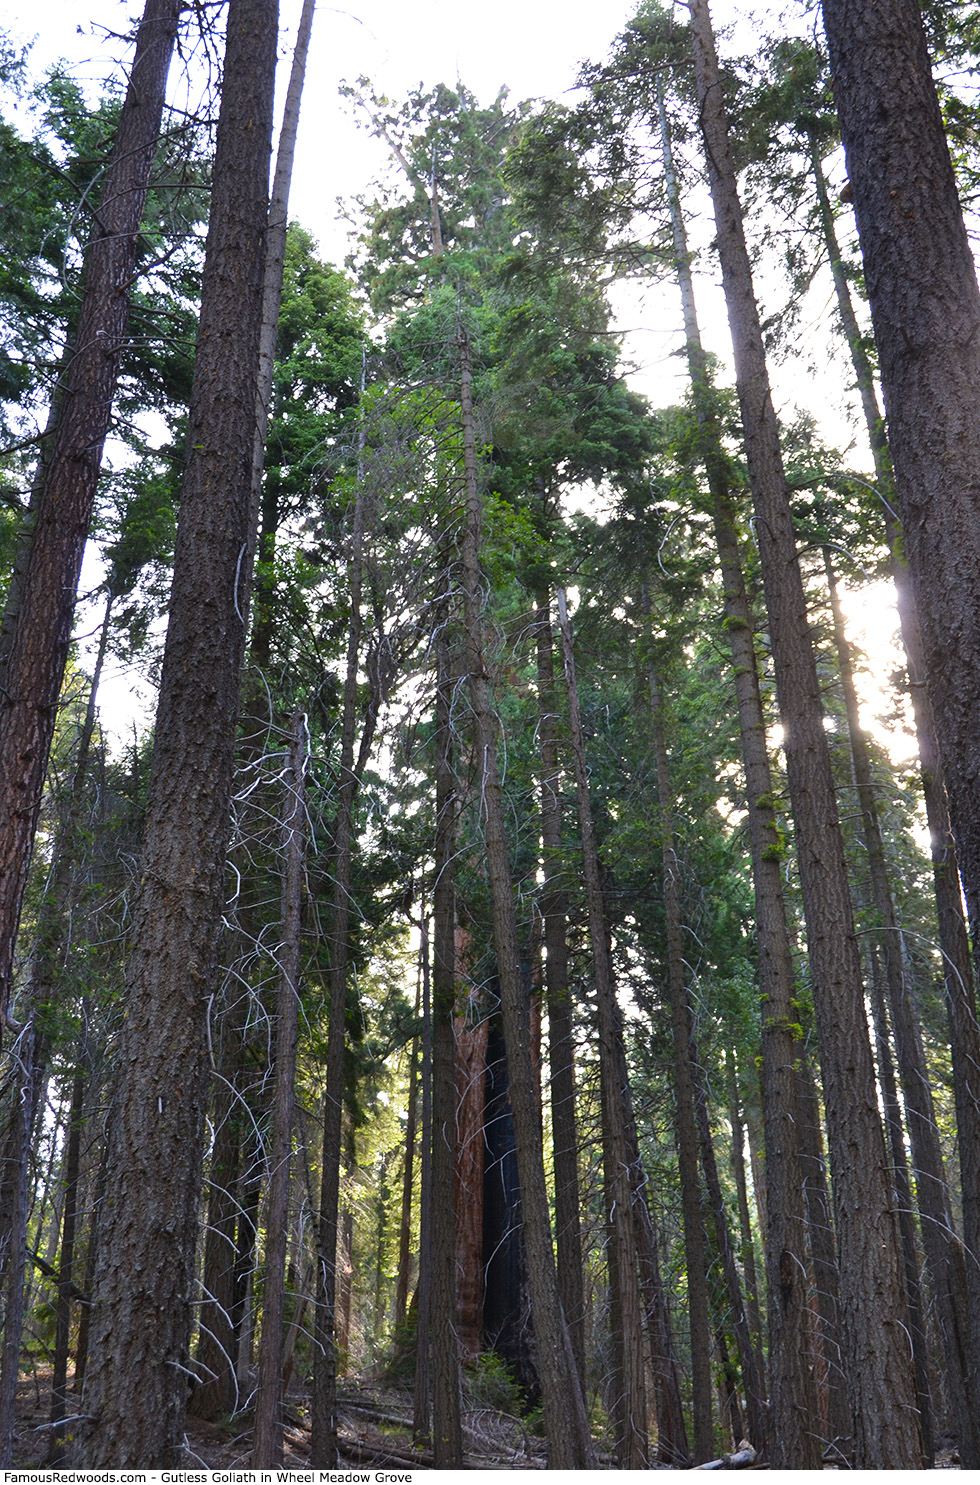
(136,1388)
(925,308)
(37,648)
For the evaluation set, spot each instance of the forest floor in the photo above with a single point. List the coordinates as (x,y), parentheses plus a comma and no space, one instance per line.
(374,1428)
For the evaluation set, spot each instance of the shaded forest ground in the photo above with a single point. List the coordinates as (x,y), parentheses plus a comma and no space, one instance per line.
(375,1429)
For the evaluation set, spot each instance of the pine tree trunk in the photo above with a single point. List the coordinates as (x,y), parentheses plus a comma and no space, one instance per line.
(217,1390)
(267,1443)
(685,1120)
(792,1396)
(447,1440)
(66,1259)
(746,1242)
(953,939)
(136,1384)
(880,1381)
(632,1444)
(323,1433)
(941,1245)
(903,1206)
(554,909)
(18,1145)
(38,647)
(925,307)
(408,1173)
(756,1421)
(566,1425)
(422,1397)
(835,1407)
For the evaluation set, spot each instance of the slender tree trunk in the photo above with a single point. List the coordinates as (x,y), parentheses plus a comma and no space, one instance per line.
(323,1436)
(566,1424)
(408,1174)
(873,1311)
(38,648)
(30,1078)
(422,1401)
(632,1443)
(275,254)
(903,1205)
(345,1285)
(826,1282)
(554,908)
(792,1395)
(217,1390)
(755,1399)
(267,1443)
(944,1257)
(447,1440)
(13,1298)
(744,1220)
(684,1103)
(69,1217)
(136,1381)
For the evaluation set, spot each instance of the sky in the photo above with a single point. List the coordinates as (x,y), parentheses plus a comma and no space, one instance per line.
(532,47)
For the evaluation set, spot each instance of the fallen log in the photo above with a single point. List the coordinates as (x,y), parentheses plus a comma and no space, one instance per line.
(743,1458)
(364,1453)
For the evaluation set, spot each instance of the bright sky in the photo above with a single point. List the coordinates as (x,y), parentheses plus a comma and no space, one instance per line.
(535,50)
